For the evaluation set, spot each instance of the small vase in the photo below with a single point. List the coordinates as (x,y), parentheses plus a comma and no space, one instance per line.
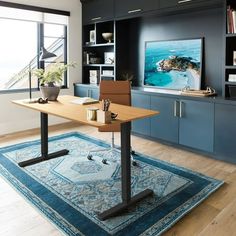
(50,92)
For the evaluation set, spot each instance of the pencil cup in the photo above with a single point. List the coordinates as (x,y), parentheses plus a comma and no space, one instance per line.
(104,116)
(92,113)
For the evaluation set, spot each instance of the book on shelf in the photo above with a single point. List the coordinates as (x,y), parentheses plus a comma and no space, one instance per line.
(232,78)
(231,20)
(84,101)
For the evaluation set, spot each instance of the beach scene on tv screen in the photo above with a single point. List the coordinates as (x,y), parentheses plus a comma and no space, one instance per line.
(173,64)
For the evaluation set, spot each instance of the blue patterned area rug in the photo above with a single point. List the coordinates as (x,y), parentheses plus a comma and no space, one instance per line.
(71,190)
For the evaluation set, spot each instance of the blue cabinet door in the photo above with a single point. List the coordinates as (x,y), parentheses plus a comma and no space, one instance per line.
(80,91)
(225,132)
(134,7)
(97,10)
(165,125)
(86,91)
(141,126)
(196,124)
(94,93)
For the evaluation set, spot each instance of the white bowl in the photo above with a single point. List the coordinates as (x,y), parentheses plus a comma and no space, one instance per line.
(108,36)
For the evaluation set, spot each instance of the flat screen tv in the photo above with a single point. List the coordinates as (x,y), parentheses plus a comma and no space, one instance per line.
(173,64)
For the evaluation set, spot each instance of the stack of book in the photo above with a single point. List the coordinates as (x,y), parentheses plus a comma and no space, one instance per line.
(94,76)
(232,78)
(231,20)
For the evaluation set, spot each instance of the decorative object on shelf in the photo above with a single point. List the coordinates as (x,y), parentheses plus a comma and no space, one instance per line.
(199,93)
(234,58)
(109,57)
(108,36)
(94,76)
(85,58)
(94,59)
(51,79)
(231,20)
(91,58)
(92,37)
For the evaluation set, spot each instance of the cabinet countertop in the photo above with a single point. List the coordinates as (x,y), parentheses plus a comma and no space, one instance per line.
(170,93)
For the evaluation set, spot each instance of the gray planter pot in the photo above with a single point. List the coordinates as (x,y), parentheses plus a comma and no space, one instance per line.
(50,92)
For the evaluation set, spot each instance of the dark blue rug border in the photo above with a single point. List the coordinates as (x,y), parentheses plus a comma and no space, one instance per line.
(78,220)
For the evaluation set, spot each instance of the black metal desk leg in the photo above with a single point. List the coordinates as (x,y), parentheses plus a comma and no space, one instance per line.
(127,201)
(44,145)
(125,162)
(44,134)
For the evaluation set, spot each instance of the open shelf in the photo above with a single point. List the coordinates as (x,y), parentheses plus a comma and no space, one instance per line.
(99,45)
(230,83)
(99,65)
(230,35)
(230,67)
(98,52)
(230,51)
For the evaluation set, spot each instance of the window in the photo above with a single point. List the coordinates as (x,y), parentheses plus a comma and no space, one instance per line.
(23,33)
(55,41)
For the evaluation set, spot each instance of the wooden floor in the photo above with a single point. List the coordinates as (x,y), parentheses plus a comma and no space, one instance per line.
(215,216)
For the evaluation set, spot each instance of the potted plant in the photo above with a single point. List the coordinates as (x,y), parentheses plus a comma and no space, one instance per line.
(50,80)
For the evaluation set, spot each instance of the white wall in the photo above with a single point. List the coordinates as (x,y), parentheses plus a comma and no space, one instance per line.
(14,118)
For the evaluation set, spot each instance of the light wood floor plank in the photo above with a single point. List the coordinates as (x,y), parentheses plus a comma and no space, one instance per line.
(223,223)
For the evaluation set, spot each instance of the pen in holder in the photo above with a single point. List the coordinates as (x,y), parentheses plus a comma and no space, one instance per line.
(104,115)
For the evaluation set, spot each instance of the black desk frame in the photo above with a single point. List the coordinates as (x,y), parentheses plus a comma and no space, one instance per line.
(127,200)
(44,145)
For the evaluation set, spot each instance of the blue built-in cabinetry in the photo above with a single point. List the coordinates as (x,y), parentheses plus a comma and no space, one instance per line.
(185,4)
(134,7)
(86,91)
(202,124)
(141,126)
(165,125)
(186,122)
(196,124)
(97,10)
(206,125)
(225,131)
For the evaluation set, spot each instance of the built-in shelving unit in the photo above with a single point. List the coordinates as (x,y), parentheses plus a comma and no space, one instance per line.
(133,23)
(98,53)
(229,82)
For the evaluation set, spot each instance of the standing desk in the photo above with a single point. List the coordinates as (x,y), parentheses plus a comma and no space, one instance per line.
(64,108)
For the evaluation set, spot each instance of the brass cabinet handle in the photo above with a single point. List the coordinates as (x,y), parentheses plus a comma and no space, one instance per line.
(96,18)
(184,1)
(135,10)
(181,109)
(175,108)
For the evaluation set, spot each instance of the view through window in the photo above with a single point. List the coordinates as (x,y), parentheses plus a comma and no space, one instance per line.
(55,41)
(20,44)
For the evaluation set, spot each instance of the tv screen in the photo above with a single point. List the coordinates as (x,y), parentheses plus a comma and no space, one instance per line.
(173,64)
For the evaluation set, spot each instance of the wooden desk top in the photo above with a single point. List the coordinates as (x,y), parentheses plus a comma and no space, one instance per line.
(66,109)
